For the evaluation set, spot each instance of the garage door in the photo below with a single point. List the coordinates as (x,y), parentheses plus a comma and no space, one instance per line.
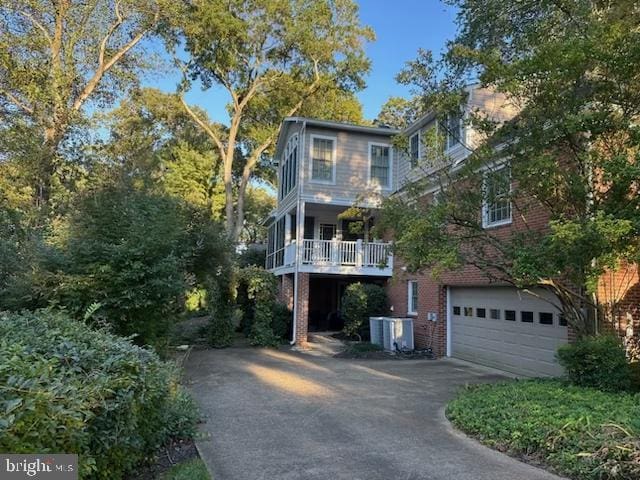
(507,329)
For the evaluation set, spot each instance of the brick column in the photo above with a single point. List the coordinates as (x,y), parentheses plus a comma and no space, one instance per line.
(302,317)
(285,291)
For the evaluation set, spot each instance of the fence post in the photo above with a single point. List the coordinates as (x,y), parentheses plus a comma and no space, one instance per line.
(359,253)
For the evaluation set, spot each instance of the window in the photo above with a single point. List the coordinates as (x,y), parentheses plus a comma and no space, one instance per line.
(322,159)
(456,310)
(481,313)
(289,168)
(413,297)
(526,317)
(453,129)
(562,320)
(468,311)
(414,149)
(380,164)
(497,204)
(510,315)
(327,231)
(545,318)
(494,313)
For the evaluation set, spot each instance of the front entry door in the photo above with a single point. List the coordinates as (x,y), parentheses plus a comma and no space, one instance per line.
(327,231)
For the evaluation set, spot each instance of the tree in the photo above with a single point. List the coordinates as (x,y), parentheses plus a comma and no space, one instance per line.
(569,70)
(398,112)
(57,57)
(152,142)
(271,56)
(259,205)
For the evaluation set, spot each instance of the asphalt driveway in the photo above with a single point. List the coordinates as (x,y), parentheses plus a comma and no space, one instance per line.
(284,415)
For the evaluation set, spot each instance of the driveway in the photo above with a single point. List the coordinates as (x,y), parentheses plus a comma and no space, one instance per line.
(284,415)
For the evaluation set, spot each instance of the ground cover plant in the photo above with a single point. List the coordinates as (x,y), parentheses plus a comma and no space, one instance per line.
(582,433)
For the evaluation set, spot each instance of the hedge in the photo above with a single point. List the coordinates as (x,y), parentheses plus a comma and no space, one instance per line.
(67,388)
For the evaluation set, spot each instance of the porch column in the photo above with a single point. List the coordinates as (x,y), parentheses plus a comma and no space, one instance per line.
(302,310)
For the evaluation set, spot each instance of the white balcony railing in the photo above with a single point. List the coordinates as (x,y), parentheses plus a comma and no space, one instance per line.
(344,253)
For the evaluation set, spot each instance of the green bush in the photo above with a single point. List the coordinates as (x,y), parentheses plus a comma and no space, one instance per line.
(582,433)
(598,362)
(282,320)
(359,302)
(67,388)
(135,253)
(262,318)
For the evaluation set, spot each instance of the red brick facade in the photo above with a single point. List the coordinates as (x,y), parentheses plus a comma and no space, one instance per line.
(619,291)
(302,315)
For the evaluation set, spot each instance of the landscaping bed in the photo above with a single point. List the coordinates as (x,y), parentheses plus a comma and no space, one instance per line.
(582,433)
(369,351)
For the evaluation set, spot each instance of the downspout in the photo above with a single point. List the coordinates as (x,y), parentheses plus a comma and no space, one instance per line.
(448,320)
(299,240)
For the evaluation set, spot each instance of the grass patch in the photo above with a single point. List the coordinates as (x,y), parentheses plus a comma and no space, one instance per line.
(362,347)
(579,432)
(193,469)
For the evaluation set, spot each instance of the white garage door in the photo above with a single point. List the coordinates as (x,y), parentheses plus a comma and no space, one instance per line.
(507,329)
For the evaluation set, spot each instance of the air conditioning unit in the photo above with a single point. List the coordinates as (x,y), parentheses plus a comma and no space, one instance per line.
(391,332)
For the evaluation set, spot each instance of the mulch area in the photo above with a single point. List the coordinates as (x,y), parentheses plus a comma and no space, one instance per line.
(176,453)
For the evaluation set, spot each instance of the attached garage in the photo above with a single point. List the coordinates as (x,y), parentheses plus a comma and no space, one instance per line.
(507,329)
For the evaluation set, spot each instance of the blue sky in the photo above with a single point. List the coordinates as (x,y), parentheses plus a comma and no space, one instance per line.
(401,26)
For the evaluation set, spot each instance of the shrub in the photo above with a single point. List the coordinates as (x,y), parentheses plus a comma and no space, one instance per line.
(136,253)
(282,320)
(359,302)
(598,362)
(257,290)
(67,388)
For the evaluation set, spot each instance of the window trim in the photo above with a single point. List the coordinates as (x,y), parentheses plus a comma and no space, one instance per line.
(485,202)
(416,134)
(389,186)
(292,142)
(410,284)
(461,138)
(334,156)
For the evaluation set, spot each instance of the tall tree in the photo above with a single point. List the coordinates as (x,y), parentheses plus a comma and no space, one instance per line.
(570,72)
(270,56)
(398,112)
(57,57)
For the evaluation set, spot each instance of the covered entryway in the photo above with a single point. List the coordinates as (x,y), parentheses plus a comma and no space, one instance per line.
(507,329)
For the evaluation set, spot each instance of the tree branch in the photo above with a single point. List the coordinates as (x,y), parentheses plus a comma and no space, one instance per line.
(14,100)
(104,67)
(202,124)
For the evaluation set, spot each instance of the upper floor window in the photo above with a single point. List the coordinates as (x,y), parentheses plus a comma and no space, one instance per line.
(453,131)
(323,159)
(496,209)
(380,164)
(414,149)
(412,287)
(289,169)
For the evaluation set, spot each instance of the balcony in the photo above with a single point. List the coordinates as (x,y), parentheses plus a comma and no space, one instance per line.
(337,257)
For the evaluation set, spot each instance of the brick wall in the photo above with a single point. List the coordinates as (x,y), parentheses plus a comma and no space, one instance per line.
(302,317)
(619,297)
(285,290)
(526,215)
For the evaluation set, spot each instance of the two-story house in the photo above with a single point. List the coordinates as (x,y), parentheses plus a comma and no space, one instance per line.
(326,167)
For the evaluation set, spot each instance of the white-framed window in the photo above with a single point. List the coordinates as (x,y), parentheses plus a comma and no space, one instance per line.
(289,167)
(412,297)
(453,131)
(323,159)
(380,164)
(414,149)
(496,204)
